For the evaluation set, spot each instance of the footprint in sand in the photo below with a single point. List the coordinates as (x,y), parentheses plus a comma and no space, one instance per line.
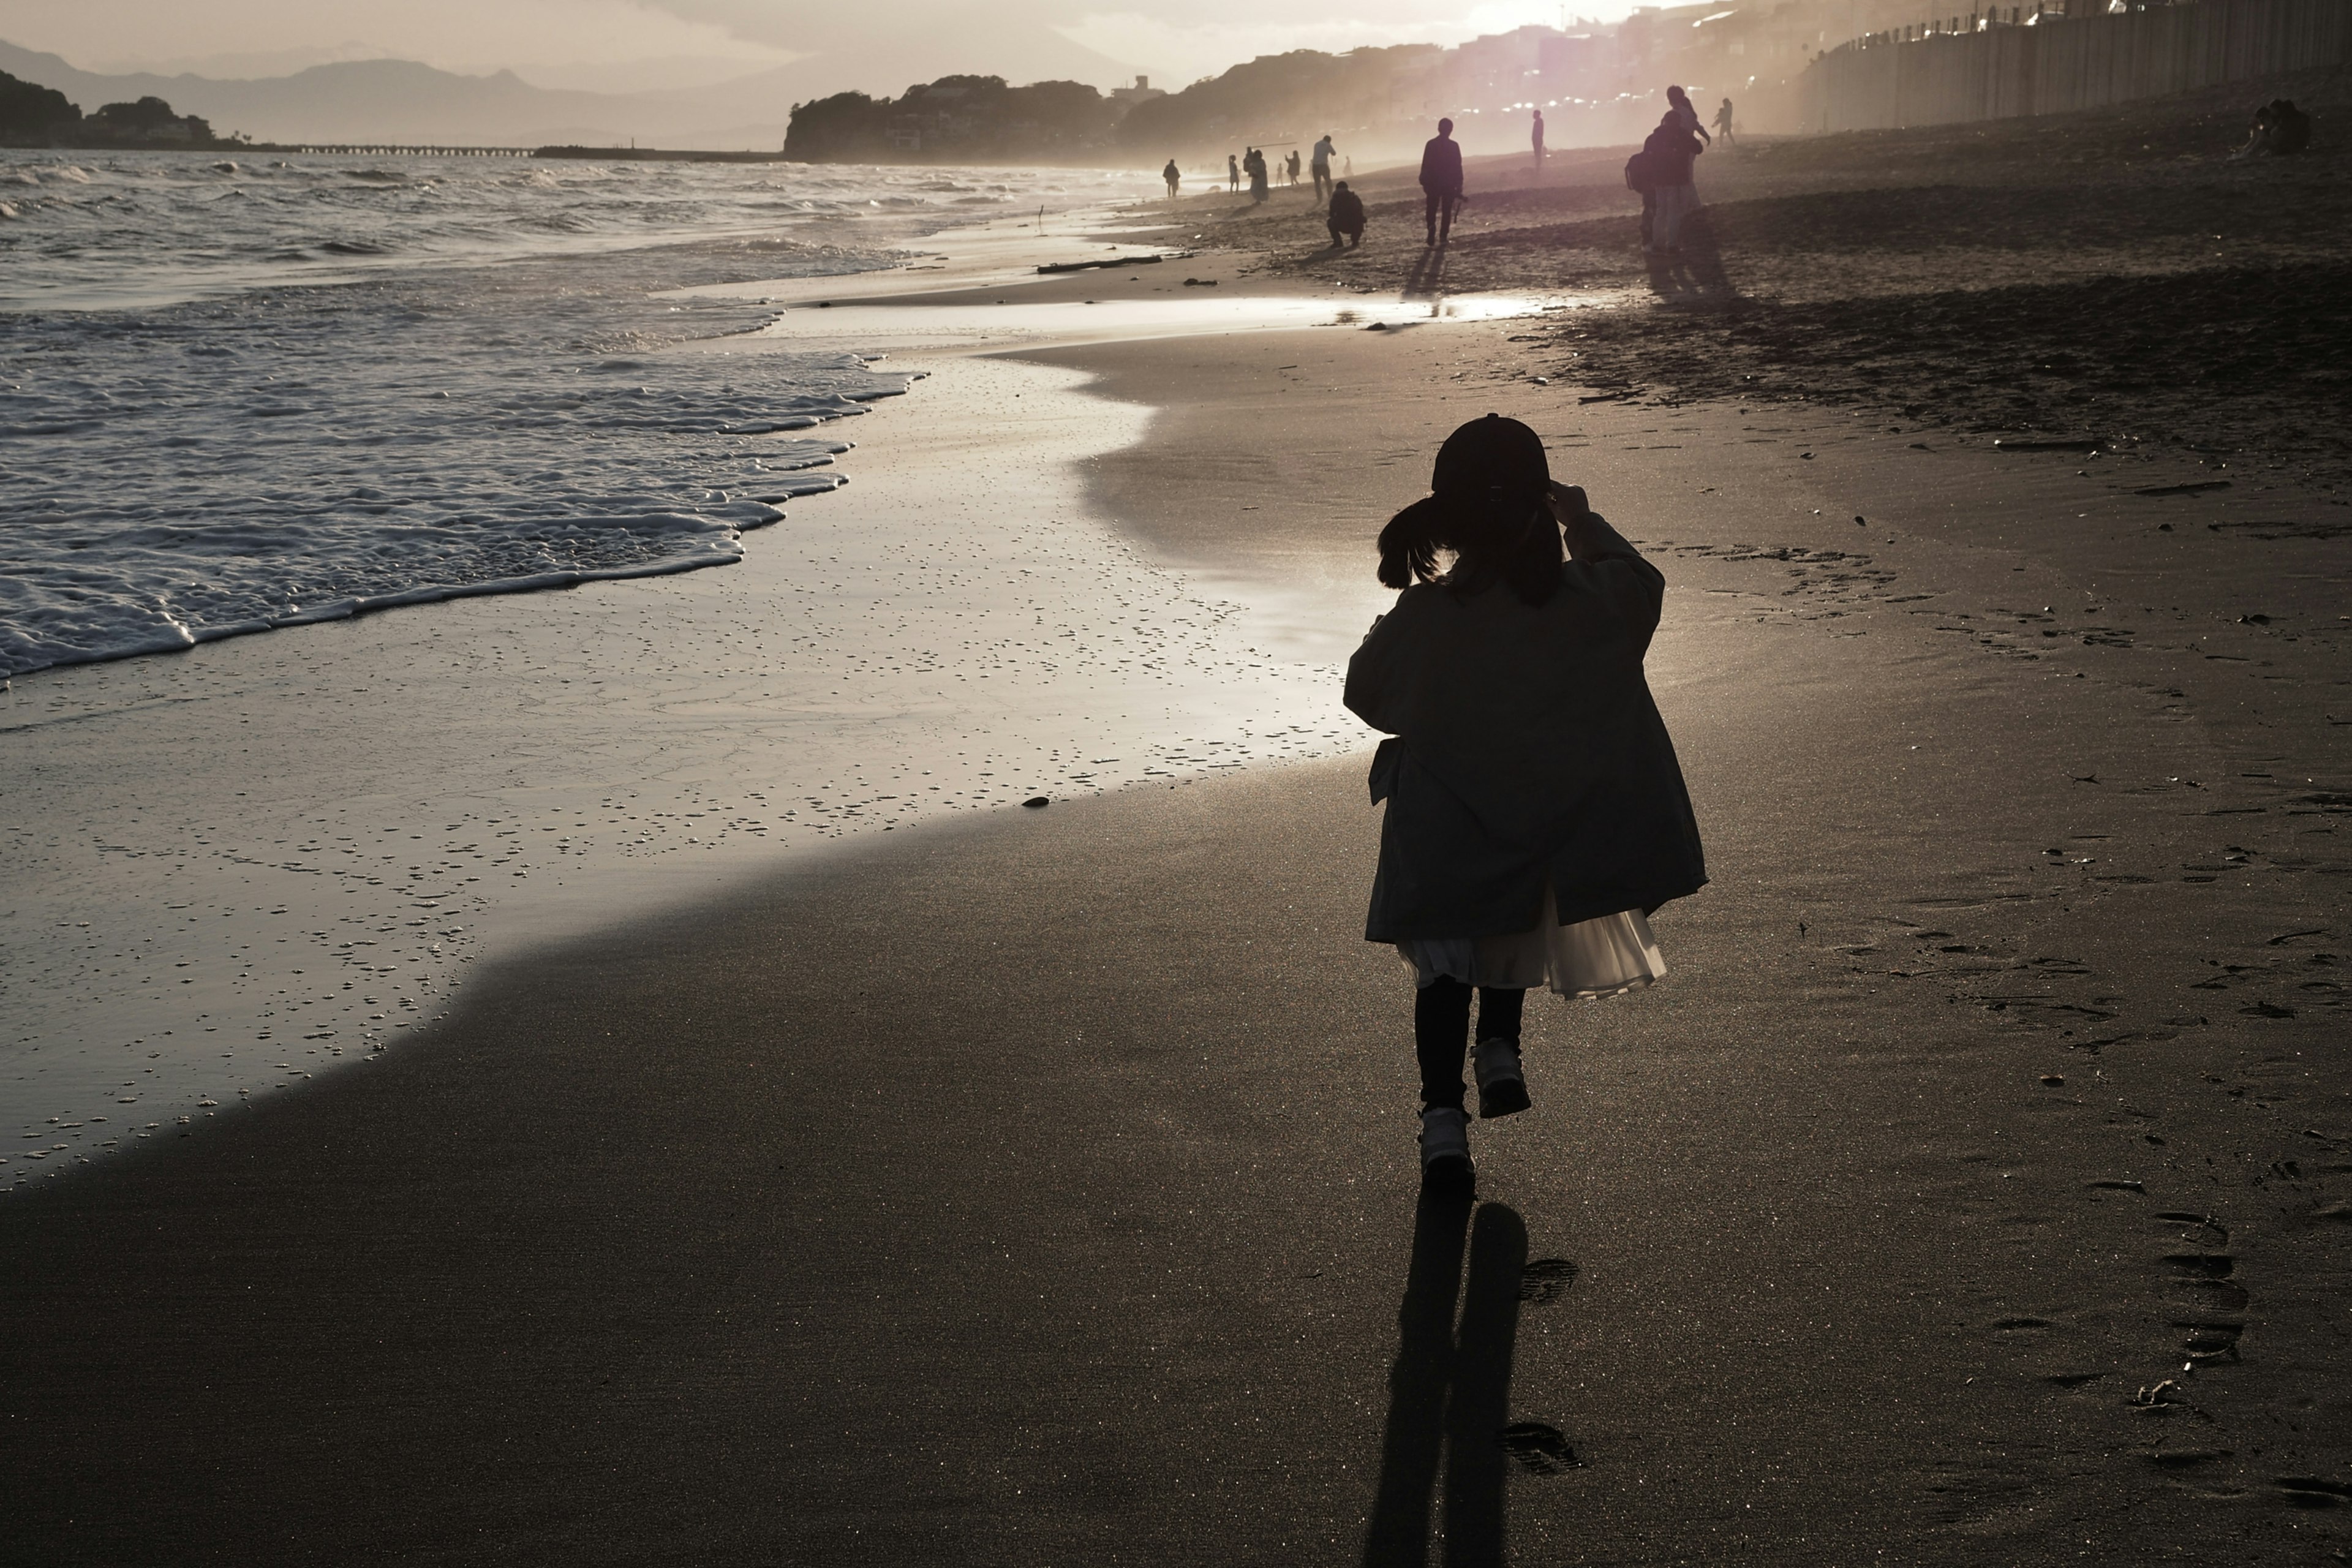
(2211,1294)
(2182,1458)
(1542,1282)
(1539,1449)
(2074,1379)
(2203,1265)
(2203,1286)
(2214,1228)
(2209,1341)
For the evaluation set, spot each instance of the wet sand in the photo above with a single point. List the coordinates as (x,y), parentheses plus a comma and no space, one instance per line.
(1038,1187)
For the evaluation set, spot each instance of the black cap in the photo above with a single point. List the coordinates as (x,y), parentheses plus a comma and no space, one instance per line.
(1491,454)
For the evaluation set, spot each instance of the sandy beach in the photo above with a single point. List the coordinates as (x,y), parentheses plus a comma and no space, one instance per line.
(1037,1185)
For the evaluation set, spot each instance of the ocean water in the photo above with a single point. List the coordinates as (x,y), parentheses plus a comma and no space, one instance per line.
(237,395)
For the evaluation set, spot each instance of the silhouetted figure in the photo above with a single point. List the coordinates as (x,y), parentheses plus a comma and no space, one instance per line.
(1232,173)
(1680,102)
(1292,164)
(2279,129)
(1253,165)
(1536,813)
(1672,197)
(1723,122)
(1536,137)
(1174,178)
(1347,216)
(1639,178)
(1320,165)
(1441,180)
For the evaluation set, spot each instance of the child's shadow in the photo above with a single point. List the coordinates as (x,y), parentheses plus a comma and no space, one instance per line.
(1450,1395)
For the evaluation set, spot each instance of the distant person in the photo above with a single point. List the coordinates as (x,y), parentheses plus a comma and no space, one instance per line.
(1348,168)
(2279,129)
(1232,173)
(1679,101)
(1638,177)
(1723,122)
(1441,181)
(1253,164)
(2290,127)
(1536,812)
(1320,165)
(1174,178)
(1293,166)
(1535,136)
(1668,154)
(1346,218)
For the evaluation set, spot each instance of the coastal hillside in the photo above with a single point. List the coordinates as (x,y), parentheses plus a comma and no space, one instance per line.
(402,101)
(32,115)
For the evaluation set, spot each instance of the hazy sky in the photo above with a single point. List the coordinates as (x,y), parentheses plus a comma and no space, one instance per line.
(621,43)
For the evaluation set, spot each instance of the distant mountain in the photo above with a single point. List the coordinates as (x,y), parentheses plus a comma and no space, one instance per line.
(400,101)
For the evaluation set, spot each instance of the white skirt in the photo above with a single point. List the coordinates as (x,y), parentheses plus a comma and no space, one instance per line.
(1607,956)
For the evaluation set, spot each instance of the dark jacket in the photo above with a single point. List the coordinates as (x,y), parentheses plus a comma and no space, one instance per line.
(1347,210)
(1441,165)
(1528,749)
(1671,150)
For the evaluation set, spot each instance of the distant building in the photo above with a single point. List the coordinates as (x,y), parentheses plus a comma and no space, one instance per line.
(1141,92)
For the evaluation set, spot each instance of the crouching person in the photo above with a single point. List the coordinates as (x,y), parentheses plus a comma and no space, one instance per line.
(1347,216)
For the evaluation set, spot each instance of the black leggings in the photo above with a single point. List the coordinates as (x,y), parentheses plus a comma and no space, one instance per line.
(1441,1033)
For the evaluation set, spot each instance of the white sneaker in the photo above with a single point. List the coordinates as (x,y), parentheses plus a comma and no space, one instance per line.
(1445,1147)
(1502,1081)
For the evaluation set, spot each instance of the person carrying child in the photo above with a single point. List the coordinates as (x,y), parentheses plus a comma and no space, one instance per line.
(1537,814)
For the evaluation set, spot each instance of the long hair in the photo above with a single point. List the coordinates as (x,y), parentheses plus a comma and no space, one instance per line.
(1493,533)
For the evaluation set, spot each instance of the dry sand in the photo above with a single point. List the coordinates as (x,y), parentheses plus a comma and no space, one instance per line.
(2109,273)
(1039,1188)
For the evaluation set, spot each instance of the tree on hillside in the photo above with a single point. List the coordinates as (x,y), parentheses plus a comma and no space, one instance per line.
(150,119)
(955,117)
(840,128)
(1300,93)
(28,109)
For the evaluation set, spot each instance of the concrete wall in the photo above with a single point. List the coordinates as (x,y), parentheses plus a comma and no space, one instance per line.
(1994,69)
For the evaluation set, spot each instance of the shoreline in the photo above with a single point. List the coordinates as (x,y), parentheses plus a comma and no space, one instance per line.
(1038,1185)
(273,919)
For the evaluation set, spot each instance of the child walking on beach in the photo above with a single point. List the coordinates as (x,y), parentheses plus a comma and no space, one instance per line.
(1536,813)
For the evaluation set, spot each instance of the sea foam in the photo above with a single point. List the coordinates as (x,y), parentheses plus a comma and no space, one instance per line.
(234,397)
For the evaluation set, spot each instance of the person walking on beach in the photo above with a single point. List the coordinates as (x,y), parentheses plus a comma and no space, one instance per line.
(1441,181)
(1346,218)
(1723,122)
(1320,165)
(1535,136)
(1174,178)
(1667,156)
(1292,166)
(1253,165)
(1537,814)
(1232,173)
